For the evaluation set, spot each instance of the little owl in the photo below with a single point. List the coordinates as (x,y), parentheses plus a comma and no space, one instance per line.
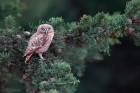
(39,41)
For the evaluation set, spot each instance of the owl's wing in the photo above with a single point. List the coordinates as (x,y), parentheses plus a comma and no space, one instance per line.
(35,43)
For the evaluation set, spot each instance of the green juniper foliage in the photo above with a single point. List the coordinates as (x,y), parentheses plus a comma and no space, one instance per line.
(54,74)
(74,44)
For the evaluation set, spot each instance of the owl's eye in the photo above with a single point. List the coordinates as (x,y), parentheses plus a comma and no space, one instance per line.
(43,29)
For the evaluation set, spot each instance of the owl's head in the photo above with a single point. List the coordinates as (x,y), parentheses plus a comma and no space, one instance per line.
(45,28)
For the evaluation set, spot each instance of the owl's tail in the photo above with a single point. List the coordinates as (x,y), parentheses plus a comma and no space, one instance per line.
(27,58)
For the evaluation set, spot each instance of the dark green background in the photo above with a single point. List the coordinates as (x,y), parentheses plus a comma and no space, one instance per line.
(70,10)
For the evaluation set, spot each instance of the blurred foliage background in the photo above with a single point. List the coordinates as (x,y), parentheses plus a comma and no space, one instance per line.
(71,10)
(118,73)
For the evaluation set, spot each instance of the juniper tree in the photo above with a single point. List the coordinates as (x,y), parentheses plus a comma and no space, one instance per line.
(74,44)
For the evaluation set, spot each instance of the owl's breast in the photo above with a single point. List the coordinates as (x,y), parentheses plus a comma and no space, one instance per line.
(45,47)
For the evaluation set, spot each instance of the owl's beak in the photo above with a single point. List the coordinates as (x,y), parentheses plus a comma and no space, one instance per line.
(46,32)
